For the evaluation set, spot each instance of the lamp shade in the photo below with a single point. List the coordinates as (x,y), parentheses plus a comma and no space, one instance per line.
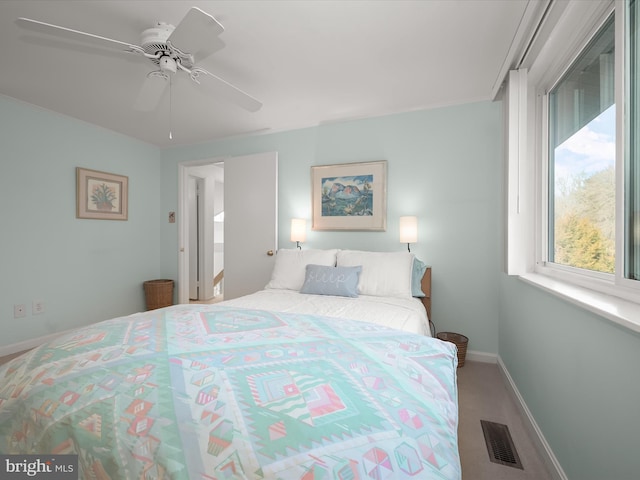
(298,229)
(408,229)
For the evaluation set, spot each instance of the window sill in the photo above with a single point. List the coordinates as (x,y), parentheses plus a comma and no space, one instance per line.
(620,311)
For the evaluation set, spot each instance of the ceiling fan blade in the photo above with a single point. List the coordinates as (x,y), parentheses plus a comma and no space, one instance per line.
(151,92)
(212,47)
(77,35)
(197,34)
(225,90)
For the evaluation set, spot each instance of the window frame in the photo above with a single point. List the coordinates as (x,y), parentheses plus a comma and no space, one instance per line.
(609,284)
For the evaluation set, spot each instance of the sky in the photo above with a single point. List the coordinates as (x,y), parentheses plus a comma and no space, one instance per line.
(591,149)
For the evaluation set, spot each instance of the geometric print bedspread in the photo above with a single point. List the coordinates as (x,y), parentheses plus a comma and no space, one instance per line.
(214,392)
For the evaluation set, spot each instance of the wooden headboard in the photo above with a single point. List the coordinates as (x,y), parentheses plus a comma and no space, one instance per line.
(426,300)
(426,288)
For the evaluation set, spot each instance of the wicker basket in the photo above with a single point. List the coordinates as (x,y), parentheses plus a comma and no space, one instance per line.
(158,293)
(460,341)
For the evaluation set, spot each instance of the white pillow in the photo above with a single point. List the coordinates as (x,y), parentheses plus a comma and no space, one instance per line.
(290,267)
(384,274)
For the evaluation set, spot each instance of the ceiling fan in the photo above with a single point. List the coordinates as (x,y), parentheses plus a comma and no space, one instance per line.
(172,49)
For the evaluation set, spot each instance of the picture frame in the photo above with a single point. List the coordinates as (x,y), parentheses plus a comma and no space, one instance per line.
(349,196)
(101,195)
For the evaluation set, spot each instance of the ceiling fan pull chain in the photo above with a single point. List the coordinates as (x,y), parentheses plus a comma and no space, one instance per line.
(170,103)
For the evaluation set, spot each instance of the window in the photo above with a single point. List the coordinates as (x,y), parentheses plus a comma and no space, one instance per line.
(589,130)
(582,158)
(632,147)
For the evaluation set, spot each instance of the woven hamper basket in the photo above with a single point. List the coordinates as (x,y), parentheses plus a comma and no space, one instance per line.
(158,293)
(459,340)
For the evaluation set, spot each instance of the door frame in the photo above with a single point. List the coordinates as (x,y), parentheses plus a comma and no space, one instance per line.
(183,223)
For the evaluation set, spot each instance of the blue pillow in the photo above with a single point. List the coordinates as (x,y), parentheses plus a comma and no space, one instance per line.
(325,280)
(417,273)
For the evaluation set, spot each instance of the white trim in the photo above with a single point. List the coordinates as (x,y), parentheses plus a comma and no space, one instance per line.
(542,184)
(574,23)
(29,344)
(183,224)
(528,29)
(183,235)
(605,283)
(516,216)
(618,310)
(482,357)
(540,442)
(623,112)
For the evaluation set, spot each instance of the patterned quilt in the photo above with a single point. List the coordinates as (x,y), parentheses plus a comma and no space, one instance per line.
(214,392)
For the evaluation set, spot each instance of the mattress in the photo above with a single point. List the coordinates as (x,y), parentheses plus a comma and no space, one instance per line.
(406,314)
(220,392)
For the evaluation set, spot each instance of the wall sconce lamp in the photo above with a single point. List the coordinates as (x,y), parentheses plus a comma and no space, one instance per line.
(298,231)
(408,230)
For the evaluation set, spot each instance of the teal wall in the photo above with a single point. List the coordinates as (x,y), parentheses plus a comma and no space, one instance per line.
(578,374)
(83,270)
(89,270)
(444,166)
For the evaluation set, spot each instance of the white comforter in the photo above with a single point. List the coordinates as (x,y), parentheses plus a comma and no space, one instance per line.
(403,314)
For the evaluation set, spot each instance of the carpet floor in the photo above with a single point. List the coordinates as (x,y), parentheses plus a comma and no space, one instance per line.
(482,395)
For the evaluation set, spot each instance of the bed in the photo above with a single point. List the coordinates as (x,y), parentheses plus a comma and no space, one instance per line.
(234,392)
(394,290)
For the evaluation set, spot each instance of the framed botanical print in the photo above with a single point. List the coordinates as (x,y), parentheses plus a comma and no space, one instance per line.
(100,195)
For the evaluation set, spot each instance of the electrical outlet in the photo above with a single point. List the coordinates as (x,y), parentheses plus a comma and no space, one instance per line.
(37,307)
(19,311)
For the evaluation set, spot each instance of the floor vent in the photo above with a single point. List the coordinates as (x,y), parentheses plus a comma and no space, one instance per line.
(500,445)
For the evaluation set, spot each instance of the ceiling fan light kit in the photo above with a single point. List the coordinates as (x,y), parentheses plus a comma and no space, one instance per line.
(170,48)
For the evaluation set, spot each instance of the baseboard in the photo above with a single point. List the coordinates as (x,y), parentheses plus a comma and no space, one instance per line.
(27,344)
(554,467)
(484,357)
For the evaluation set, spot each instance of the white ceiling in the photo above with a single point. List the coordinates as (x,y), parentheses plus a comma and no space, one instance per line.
(308,62)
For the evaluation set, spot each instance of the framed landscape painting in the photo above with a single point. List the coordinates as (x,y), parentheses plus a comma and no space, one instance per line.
(350,196)
(100,195)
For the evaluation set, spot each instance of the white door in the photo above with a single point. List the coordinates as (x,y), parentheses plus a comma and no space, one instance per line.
(193,237)
(250,222)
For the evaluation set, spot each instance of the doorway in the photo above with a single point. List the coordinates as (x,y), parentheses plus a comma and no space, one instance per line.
(205,205)
(201,231)
(246,217)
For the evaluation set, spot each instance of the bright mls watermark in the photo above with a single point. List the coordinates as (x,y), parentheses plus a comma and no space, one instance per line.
(50,467)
